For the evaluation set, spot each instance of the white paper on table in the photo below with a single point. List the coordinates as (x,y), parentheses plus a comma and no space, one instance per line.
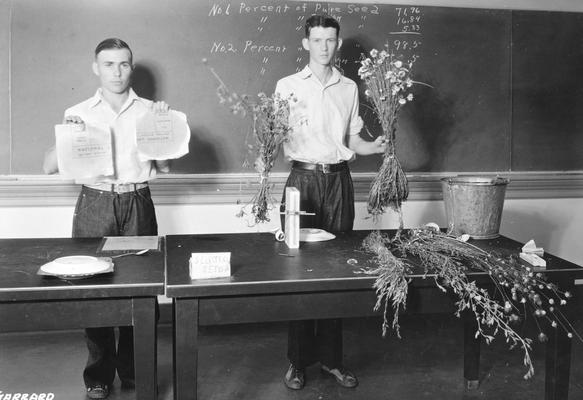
(84,150)
(130,243)
(530,247)
(533,259)
(162,135)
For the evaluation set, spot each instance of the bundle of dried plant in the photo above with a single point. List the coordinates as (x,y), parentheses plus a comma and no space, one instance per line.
(519,290)
(387,80)
(270,128)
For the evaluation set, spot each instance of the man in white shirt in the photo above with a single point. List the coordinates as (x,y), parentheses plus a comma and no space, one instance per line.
(325,121)
(117,205)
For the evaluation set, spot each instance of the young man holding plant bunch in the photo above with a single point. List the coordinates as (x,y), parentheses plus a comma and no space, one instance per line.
(118,205)
(325,125)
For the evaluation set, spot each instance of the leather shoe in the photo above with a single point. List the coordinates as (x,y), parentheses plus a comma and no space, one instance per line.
(98,391)
(295,378)
(344,377)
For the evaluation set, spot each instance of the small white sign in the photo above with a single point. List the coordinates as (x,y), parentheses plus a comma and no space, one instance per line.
(210,265)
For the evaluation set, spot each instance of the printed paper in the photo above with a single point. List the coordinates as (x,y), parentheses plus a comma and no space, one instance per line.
(84,150)
(162,135)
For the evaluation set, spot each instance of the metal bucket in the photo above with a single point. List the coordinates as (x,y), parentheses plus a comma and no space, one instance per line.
(473,204)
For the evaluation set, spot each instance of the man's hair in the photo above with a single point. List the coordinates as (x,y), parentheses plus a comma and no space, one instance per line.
(324,21)
(112,43)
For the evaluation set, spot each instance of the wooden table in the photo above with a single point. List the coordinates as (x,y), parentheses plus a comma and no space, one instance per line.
(271,283)
(30,302)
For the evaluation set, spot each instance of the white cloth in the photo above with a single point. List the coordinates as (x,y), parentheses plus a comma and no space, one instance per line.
(321,118)
(128,168)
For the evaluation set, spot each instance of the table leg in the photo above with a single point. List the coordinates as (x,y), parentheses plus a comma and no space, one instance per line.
(471,351)
(558,353)
(185,348)
(145,348)
(558,365)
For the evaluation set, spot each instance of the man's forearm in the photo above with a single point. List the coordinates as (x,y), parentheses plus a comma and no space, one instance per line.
(163,165)
(365,148)
(50,164)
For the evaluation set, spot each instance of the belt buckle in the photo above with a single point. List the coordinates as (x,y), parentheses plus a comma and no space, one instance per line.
(121,187)
(325,168)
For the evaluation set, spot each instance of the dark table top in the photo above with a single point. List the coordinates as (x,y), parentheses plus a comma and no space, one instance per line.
(262,265)
(20,259)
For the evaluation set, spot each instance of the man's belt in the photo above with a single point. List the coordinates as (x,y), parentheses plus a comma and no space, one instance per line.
(324,168)
(118,187)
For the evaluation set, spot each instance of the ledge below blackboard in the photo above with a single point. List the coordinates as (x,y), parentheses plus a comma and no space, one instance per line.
(42,190)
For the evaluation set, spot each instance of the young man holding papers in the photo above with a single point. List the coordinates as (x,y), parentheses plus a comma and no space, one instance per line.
(114,205)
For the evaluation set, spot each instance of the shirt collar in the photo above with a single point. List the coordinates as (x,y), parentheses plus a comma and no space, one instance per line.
(306,72)
(98,98)
(335,78)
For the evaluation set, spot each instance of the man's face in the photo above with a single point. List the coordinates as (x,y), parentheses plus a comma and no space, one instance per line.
(322,45)
(114,69)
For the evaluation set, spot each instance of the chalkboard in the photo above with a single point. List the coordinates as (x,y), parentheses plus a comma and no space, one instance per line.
(547,87)
(4,91)
(462,118)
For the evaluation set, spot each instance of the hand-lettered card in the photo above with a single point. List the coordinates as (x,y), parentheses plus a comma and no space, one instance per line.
(210,265)
(84,151)
(162,135)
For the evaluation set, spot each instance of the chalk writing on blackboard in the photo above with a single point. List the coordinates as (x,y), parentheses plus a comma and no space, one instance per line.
(408,34)
(409,19)
(259,40)
(503,99)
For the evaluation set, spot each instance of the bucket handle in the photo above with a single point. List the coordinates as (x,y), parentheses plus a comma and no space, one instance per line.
(450,208)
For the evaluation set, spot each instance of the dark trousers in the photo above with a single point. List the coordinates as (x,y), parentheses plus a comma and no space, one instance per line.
(331,197)
(97,214)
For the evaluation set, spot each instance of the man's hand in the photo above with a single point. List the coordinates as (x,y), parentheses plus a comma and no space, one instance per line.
(74,119)
(160,106)
(380,144)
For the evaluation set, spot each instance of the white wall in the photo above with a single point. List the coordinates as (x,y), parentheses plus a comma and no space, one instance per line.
(555,224)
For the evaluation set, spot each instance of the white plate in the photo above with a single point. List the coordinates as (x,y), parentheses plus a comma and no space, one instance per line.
(315,235)
(76,266)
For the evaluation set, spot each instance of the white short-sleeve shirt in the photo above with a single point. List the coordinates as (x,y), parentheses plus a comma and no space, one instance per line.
(127,166)
(321,116)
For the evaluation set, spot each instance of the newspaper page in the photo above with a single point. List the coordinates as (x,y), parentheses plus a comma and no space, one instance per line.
(84,151)
(162,135)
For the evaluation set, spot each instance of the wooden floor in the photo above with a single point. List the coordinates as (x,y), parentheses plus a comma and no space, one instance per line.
(248,362)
